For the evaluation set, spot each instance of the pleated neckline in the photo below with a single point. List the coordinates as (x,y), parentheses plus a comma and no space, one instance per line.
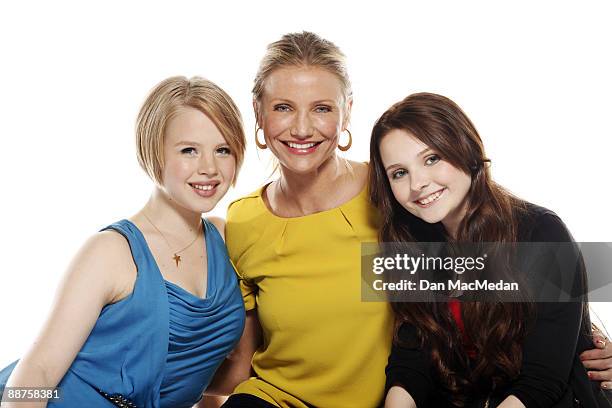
(261,191)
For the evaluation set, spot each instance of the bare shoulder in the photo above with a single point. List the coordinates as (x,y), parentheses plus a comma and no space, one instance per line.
(105,259)
(107,246)
(219,223)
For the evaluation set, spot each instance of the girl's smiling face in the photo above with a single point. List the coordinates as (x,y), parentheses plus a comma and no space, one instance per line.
(199,165)
(422,182)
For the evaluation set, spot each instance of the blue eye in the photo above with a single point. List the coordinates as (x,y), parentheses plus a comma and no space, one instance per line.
(433,159)
(282,108)
(398,174)
(224,151)
(190,151)
(323,109)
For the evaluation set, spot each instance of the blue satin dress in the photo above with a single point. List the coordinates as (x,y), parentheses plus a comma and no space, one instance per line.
(161,345)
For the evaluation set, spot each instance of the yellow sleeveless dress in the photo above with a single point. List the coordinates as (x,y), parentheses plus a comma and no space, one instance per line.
(322,346)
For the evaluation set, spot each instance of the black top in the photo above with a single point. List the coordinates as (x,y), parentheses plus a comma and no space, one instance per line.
(550,352)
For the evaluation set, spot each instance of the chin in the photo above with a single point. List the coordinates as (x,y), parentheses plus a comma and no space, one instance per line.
(428,218)
(204,209)
(198,206)
(303,166)
(432,220)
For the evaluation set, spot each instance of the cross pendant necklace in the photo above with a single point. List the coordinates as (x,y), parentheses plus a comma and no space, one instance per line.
(177,259)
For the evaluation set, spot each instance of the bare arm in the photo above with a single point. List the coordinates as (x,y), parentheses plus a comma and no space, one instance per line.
(88,285)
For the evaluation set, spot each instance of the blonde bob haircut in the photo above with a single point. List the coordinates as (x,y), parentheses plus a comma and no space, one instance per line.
(165,100)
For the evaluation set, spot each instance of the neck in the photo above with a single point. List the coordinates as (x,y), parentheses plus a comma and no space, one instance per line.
(451,229)
(169,217)
(308,190)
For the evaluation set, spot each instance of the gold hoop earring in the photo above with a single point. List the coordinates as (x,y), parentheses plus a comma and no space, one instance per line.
(262,146)
(349,144)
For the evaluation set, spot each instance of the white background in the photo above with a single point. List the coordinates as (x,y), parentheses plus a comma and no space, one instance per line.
(533,76)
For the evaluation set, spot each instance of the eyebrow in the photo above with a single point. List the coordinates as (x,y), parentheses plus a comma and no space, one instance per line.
(187,142)
(283,100)
(330,101)
(422,152)
(391,166)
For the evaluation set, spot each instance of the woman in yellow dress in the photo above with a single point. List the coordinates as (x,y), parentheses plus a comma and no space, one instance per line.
(296,243)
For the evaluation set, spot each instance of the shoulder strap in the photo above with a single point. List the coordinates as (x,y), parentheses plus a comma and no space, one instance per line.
(143,258)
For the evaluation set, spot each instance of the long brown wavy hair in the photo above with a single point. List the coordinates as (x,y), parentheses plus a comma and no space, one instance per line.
(495,329)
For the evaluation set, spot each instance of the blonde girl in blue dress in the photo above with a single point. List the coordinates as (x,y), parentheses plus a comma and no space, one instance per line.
(150,306)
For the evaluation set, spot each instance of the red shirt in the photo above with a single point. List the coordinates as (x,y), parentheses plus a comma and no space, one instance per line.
(455,308)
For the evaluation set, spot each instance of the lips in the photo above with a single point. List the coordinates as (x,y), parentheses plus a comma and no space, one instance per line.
(206,189)
(430,199)
(301,148)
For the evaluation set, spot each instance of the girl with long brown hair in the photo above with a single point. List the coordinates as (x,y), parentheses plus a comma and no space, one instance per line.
(430,179)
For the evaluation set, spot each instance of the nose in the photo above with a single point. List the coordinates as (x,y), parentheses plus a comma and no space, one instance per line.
(208,165)
(302,126)
(418,180)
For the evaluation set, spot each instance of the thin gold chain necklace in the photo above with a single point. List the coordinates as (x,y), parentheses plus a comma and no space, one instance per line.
(176,257)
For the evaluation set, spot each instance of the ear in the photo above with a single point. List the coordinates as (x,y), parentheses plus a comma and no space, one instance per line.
(347,113)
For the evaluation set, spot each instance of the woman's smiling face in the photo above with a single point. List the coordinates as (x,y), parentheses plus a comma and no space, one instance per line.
(422,181)
(302,112)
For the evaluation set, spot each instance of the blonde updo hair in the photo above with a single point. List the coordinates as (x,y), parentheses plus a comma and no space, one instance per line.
(303,49)
(165,100)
